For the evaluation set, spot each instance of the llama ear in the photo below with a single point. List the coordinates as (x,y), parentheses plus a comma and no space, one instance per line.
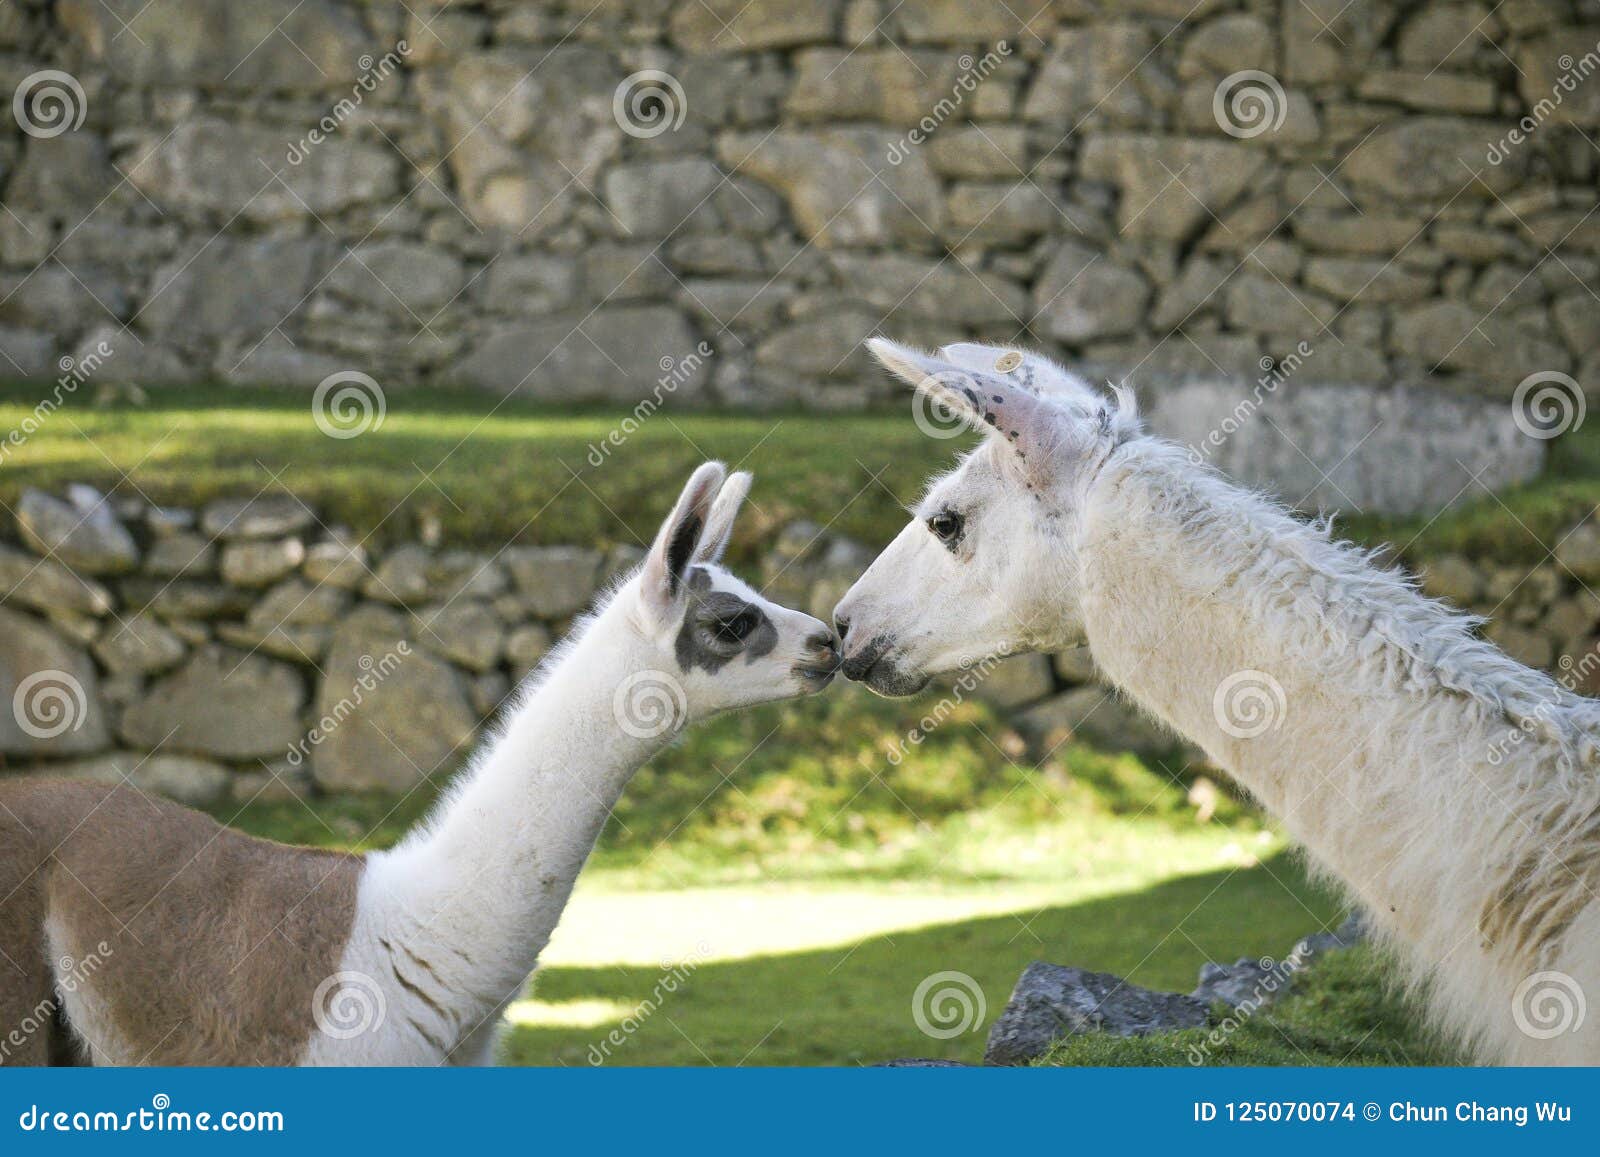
(719,525)
(983,400)
(679,536)
(1032,372)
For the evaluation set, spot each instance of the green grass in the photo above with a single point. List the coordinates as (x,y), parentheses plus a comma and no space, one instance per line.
(518,472)
(804,887)
(1342,1010)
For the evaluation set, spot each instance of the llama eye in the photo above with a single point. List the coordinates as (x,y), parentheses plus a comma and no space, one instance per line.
(946,526)
(736,629)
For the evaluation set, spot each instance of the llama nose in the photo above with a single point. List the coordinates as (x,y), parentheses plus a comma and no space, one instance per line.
(825,645)
(842,626)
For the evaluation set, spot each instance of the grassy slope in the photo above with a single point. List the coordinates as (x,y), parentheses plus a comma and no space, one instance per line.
(523,473)
(815,886)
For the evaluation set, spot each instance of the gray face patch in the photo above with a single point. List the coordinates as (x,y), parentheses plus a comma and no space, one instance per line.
(719,626)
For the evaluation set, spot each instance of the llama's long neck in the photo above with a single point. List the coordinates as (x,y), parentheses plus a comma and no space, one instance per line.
(1365,718)
(477,891)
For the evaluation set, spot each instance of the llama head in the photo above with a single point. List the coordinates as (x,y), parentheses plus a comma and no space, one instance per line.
(988,565)
(723,644)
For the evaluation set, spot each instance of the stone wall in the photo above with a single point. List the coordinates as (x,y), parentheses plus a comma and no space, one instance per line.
(566,197)
(246,651)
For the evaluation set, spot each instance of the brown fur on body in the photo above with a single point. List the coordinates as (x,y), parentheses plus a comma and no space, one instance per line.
(146,933)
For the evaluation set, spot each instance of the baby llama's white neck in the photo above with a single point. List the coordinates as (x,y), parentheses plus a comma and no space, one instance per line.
(478,889)
(1387,750)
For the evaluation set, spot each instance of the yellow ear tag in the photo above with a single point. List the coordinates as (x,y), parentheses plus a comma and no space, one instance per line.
(1009,361)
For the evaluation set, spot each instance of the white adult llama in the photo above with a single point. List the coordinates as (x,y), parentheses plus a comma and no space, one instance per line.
(1455,792)
(135,931)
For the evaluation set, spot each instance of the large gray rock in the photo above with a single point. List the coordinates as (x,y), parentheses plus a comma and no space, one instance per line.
(1083,294)
(1363,436)
(1052,1002)
(390,715)
(615,353)
(232,287)
(49,696)
(1430,159)
(525,132)
(139,645)
(942,288)
(1539,68)
(401,277)
(655,198)
(841,187)
(46,585)
(746,25)
(1015,682)
(1579,551)
(83,533)
(555,581)
(190,781)
(263,46)
(222,167)
(222,703)
(261,562)
(1094,715)
(466,632)
(265,516)
(1105,69)
(1152,204)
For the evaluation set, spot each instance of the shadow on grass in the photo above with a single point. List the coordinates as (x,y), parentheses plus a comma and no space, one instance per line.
(853,1005)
